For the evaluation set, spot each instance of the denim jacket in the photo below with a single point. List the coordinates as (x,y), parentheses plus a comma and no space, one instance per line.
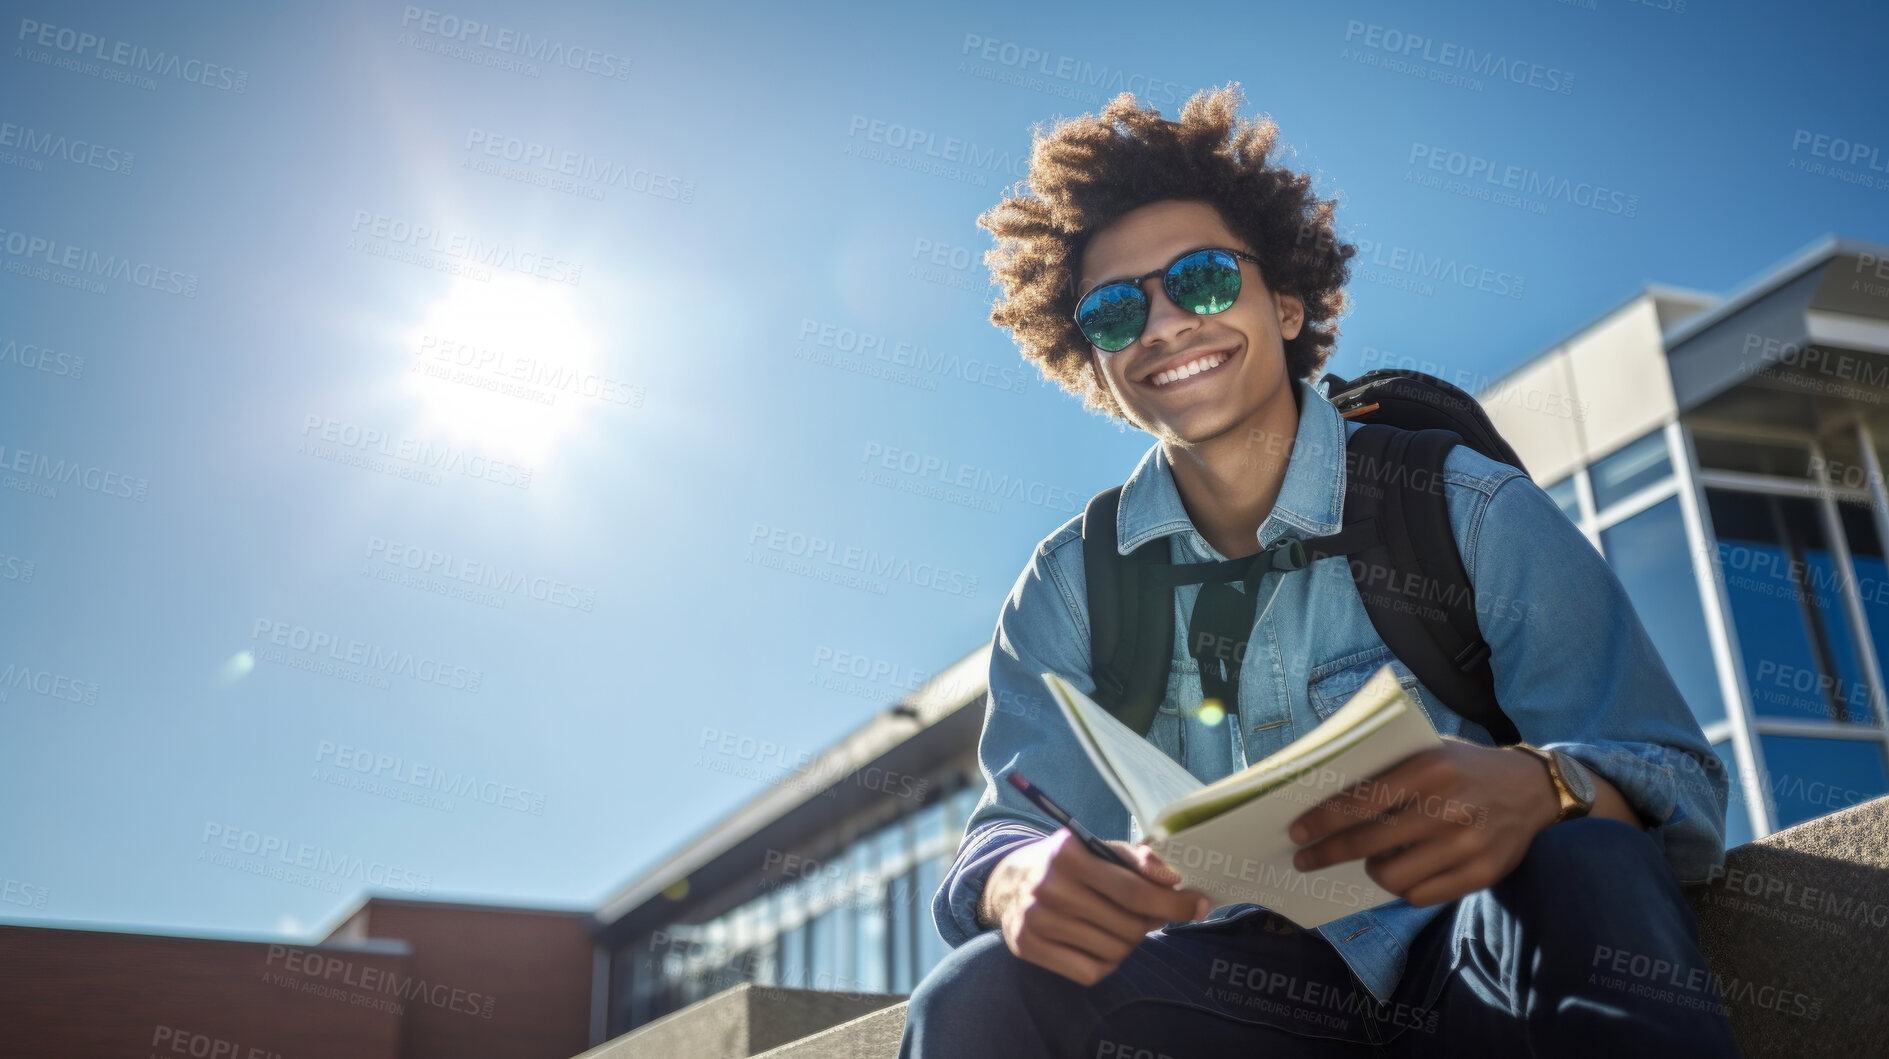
(1574,669)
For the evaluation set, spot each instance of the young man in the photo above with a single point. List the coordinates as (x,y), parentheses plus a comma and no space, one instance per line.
(1511,920)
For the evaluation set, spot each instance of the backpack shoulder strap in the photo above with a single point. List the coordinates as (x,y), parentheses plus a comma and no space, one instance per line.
(1131,617)
(1409,573)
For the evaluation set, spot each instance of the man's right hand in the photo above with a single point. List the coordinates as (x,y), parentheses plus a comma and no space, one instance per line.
(1063,908)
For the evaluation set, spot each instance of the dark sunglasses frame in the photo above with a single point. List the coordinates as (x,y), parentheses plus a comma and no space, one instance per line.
(1167,273)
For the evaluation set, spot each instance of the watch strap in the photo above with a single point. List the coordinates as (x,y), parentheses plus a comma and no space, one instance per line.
(1572,804)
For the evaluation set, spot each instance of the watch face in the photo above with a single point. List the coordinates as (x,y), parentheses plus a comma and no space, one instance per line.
(1578,779)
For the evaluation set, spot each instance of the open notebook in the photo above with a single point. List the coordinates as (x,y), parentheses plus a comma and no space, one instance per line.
(1228,838)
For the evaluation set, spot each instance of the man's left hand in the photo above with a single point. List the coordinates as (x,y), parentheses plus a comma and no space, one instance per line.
(1439,825)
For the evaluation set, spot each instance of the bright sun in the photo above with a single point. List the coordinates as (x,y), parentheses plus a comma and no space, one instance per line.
(506,368)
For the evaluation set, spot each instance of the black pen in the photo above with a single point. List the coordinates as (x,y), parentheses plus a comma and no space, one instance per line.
(1096,845)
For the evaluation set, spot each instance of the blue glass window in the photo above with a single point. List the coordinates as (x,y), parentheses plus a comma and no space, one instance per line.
(962,802)
(869,937)
(793,969)
(1648,553)
(767,948)
(933,831)
(1787,606)
(766,962)
(908,907)
(1812,777)
(1738,828)
(823,946)
(893,846)
(1629,470)
(931,946)
(1872,575)
(1567,495)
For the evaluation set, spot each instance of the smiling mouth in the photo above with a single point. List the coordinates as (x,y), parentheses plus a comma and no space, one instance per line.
(1201,365)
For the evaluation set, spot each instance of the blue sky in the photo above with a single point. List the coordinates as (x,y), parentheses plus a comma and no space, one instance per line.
(464,410)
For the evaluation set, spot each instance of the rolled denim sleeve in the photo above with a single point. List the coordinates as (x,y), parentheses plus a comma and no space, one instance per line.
(1576,671)
(1038,631)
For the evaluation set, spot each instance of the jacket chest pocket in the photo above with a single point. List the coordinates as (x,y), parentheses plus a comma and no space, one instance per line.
(1331,684)
(1169,732)
(1182,698)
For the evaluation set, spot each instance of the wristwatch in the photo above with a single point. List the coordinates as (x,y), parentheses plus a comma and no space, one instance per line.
(1573,784)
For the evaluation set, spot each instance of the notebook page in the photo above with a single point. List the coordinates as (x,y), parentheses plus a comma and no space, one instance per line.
(1379,695)
(1205,805)
(1144,778)
(1245,854)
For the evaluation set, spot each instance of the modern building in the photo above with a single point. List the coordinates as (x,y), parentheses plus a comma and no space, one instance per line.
(1725,456)
(1721,453)
(824,881)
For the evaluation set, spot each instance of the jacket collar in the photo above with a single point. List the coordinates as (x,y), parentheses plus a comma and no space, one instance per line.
(1311,499)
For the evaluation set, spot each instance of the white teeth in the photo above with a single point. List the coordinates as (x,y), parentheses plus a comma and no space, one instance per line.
(1189,369)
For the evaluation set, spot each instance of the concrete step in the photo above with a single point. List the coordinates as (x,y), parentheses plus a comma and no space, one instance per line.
(1796,931)
(874,1036)
(744,1021)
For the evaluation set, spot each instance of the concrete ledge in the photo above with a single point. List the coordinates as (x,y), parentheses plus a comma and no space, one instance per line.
(874,1036)
(743,1021)
(1796,929)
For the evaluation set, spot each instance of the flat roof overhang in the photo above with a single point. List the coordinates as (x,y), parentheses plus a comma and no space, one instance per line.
(1811,335)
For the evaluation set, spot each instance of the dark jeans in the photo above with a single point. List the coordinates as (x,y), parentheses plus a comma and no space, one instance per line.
(1587,948)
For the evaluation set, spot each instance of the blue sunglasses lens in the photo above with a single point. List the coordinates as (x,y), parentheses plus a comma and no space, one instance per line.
(1204,282)
(1112,316)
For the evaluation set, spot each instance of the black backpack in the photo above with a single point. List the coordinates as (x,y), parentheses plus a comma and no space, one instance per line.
(1396,539)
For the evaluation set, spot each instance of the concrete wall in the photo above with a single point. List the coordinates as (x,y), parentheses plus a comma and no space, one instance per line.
(1587,397)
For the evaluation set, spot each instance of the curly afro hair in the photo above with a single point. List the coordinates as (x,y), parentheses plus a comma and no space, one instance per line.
(1090,170)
